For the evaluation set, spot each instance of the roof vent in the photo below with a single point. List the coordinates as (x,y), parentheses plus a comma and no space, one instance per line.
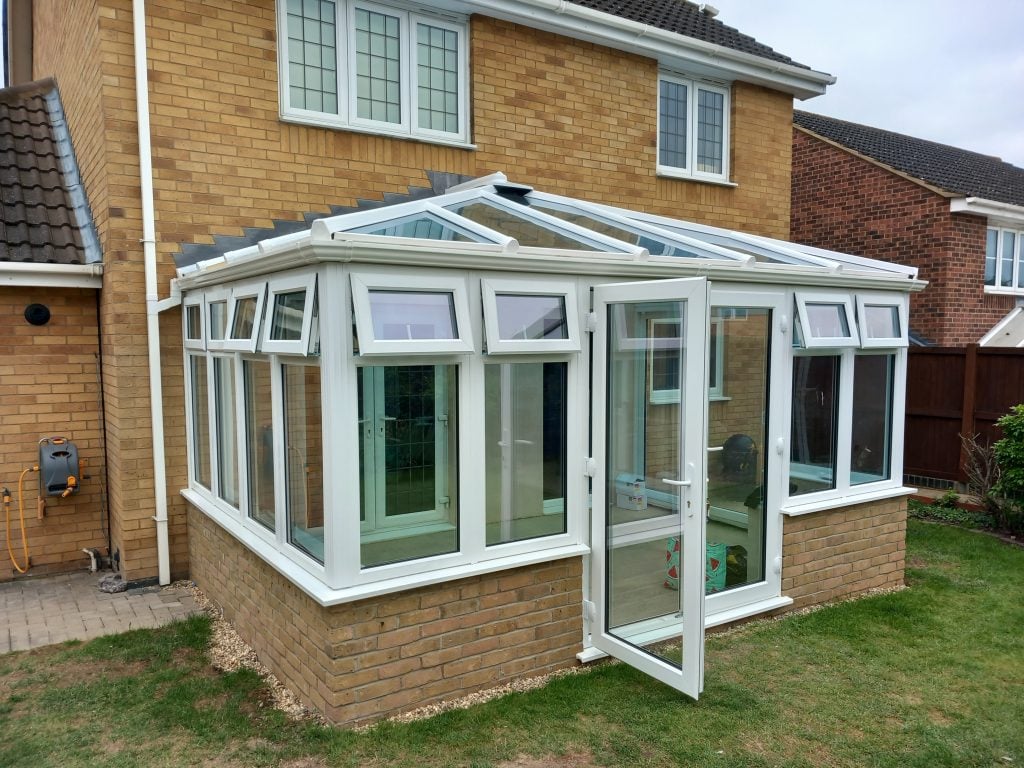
(708,10)
(498,180)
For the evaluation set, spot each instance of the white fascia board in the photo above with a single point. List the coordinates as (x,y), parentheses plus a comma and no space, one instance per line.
(993,209)
(668,48)
(1007,332)
(13,273)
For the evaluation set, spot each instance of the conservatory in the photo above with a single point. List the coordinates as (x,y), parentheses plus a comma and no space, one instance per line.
(472,421)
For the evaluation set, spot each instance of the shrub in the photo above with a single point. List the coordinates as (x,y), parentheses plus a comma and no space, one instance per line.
(1009,455)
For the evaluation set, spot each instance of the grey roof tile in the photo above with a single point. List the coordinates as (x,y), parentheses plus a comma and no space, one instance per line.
(44,213)
(958,171)
(686,18)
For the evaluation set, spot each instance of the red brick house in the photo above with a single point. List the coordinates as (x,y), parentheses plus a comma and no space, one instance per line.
(958,216)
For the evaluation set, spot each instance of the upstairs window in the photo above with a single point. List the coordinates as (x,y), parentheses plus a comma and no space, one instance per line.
(693,129)
(373,67)
(1004,254)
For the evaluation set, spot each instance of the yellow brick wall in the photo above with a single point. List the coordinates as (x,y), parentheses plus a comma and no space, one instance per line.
(49,386)
(843,552)
(570,117)
(373,658)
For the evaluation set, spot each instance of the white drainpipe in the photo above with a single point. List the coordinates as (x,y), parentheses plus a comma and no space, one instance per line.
(152,301)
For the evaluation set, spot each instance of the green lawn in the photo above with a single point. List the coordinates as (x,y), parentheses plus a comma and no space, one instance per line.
(930,676)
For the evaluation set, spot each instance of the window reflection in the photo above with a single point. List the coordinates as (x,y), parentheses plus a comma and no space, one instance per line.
(813,435)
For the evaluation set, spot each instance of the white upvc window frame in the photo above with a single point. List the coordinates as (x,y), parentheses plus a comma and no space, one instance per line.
(194,301)
(692,101)
(364,283)
(291,282)
(211,298)
(841,299)
(239,291)
(491,288)
(1017,261)
(897,302)
(346,118)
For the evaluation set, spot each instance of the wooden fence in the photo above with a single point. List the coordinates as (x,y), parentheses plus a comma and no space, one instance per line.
(953,391)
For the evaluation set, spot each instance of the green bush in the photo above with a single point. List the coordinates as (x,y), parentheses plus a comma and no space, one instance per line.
(1009,454)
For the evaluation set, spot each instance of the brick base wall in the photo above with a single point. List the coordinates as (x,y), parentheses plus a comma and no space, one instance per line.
(843,552)
(373,658)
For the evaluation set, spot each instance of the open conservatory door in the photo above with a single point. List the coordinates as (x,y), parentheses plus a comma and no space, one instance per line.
(649,491)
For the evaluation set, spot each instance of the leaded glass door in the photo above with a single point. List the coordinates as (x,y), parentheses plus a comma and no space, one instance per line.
(649,490)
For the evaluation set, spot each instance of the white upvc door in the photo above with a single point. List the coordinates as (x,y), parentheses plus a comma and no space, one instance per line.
(650,477)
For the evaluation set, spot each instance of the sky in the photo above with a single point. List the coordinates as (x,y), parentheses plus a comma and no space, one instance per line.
(946,71)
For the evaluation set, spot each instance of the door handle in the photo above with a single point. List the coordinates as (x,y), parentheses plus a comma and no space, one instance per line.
(685,483)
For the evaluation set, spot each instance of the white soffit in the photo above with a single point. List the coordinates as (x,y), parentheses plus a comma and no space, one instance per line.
(994,210)
(1008,332)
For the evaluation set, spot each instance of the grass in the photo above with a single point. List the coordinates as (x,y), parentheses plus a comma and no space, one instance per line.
(930,676)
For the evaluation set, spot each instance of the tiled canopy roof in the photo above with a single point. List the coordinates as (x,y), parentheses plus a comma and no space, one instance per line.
(686,18)
(44,214)
(958,171)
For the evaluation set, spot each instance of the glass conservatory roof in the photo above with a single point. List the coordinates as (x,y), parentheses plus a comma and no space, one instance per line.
(494,212)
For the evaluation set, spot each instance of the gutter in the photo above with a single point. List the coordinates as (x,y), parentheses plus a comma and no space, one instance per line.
(16,273)
(990,208)
(583,23)
(153,307)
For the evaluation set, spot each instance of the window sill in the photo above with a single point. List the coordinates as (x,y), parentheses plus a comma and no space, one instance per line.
(999,291)
(327,596)
(667,174)
(337,125)
(847,500)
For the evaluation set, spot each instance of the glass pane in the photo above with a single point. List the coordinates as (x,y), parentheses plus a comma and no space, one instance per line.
(259,433)
(812,459)
(1006,271)
(304,481)
(200,421)
(525,450)
(643,451)
(634,236)
(665,370)
(408,462)
(218,319)
(426,227)
(377,52)
(528,233)
(991,248)
(245,318)
(827,321)
(227,430)
(193,322)
(289,309)
(529,318)
(437,77)
(402,315)
(881,322)
(673,109)
(311,41)
(737,437)
(710,131)
(872,418)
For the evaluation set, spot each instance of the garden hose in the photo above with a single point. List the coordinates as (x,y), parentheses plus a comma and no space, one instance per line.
(21,515)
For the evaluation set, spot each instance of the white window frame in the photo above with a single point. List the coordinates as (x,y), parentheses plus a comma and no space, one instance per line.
(194,300)
(289,283)
(365,282)
(865,300)
(257,290)
(345,70)
(211,297)
(692,86)
(1017,265)
(845,301)
(715,377)
(492,287)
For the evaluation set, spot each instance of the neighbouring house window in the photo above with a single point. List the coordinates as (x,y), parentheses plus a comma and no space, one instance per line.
(259,432)
(814,432)
(1004,254)
(303,444)
(227,433)
(200,421)
(408,462)
(693,128)
(665,356)
(525,425)
(374,67)
(871,433)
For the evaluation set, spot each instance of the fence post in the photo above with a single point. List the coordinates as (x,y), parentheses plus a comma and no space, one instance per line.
(967,421)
